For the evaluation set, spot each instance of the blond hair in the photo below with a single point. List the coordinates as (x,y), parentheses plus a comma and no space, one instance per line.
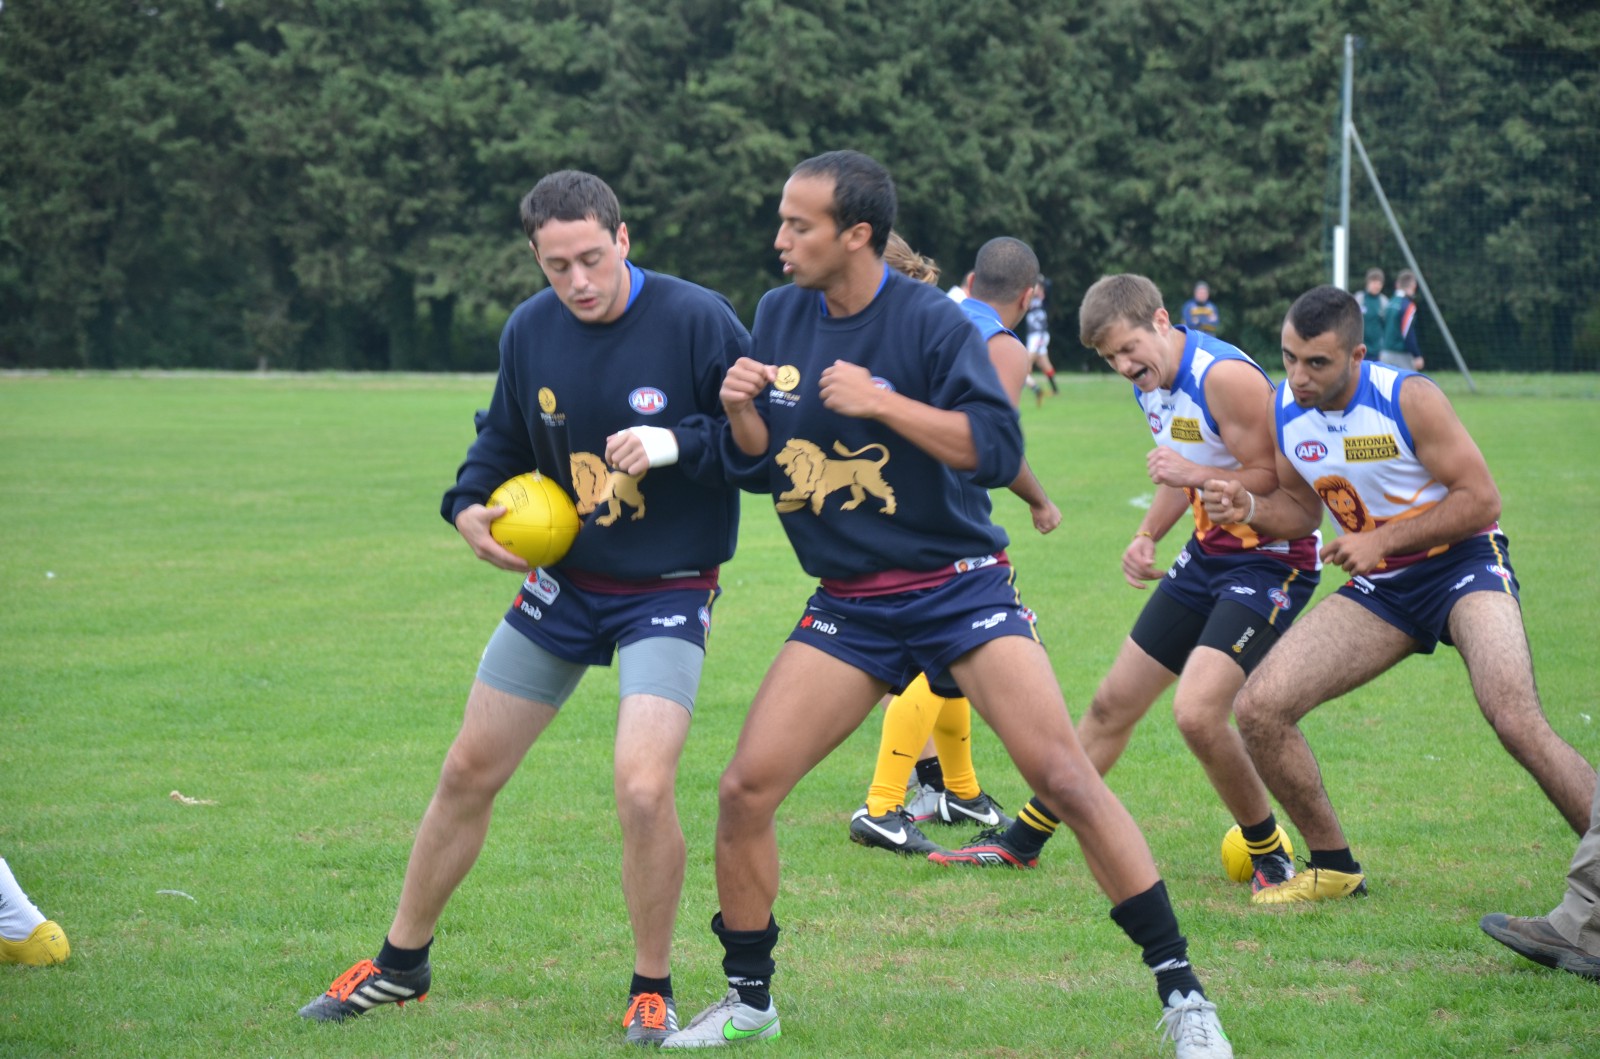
(899,256)
(1125,298)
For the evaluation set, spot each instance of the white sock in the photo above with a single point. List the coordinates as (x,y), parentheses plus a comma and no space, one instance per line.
(18,916)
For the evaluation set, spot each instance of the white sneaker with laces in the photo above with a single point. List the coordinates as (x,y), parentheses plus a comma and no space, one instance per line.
(922,802)
(729,1021)
(1191,1023)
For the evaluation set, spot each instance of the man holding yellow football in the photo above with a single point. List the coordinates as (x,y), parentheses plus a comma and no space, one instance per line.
(608,387)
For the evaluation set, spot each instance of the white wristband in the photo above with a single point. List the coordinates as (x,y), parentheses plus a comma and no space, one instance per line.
(1251,514)
(660,444)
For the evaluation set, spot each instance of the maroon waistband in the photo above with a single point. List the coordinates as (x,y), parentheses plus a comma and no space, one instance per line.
(589,581)
(892,582)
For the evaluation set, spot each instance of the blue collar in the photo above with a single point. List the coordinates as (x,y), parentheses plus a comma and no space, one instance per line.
(822,301)
(635,284)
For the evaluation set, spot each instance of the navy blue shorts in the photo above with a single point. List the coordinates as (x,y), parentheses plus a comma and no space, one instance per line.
(587,627)
(1269,587)
(1239,604)
(895,637)
(1417,599)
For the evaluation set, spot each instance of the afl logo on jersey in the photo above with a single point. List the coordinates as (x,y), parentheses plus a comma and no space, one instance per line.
(647,400)
(1155,423)
(883,384)
(1310,451)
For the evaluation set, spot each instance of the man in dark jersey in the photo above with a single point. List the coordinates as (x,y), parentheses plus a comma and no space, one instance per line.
(608,384)
(870,411)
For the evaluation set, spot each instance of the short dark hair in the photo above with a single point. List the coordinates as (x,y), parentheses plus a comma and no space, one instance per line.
(570,195)
(863,192)
(1327,308)
(1003,269)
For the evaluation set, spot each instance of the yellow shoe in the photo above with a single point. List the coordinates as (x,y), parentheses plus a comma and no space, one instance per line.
(1313,884)
(46,945)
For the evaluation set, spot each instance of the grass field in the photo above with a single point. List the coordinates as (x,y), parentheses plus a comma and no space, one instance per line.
(238,588)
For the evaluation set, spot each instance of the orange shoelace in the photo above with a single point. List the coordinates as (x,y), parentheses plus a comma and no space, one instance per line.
(651,1008)
(348,982)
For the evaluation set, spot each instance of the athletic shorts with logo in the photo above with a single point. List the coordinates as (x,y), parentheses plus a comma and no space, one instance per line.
(895,637)
(1224,598)
(587,627)
(1417,599)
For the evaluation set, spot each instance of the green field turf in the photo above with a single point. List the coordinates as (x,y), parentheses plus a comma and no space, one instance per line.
(238,588)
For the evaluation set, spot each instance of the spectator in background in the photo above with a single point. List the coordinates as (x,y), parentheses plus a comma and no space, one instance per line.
(1198,312)
(1373,306)
(1037,322)
(1569,937)
(1400,348)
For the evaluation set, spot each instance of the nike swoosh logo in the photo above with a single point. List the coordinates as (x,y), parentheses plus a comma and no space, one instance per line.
(898,836)
(987,817)
(899,753)
(730,1032)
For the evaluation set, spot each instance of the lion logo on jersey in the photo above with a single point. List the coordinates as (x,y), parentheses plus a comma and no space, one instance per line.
(815,475)
(597,484)
(1344,503)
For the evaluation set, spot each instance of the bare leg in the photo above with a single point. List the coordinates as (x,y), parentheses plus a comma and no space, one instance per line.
(650,735)
(1010,683)
(784,736)
(1487,629)
(1335,647)
(1202,707)
(1134,681)
(495,734)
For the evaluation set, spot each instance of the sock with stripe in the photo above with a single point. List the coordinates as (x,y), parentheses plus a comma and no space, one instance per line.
(1263,837)
(1032,828)
(1148,919)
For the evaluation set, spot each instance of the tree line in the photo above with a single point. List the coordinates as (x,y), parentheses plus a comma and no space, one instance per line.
(314,184)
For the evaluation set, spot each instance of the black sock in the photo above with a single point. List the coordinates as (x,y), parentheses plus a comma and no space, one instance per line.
(747,960)
(1335,860)
(930,773)
(1258,834)
(641,984)
(393,958)
(1148,919)
(1032,828)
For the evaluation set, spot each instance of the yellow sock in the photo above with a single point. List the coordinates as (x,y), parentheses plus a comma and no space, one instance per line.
(952,738)
(907,720)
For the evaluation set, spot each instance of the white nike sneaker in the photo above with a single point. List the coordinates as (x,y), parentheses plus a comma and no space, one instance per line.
(728,1021)
(1191,1023)
(982,810)
(892,831)
(922,802)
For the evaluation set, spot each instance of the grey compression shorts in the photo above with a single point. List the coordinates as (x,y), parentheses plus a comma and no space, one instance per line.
(660,665)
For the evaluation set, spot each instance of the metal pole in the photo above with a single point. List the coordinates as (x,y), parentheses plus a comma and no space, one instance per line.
(1341,240)
(1405,248)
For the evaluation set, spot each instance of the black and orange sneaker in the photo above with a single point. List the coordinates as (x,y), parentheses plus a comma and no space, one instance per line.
(365,986)
(651,1019)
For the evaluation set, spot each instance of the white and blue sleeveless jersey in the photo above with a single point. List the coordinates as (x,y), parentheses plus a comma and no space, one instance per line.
(1179,419)
(1361,460)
